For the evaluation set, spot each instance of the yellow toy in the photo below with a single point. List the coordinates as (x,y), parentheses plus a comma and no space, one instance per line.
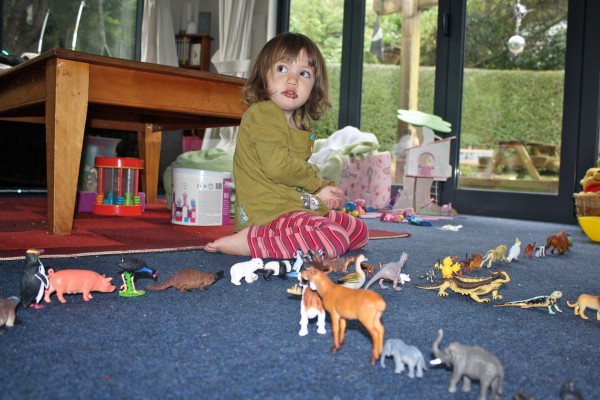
(493,255)
(448,267)
(591,181)
(586,301)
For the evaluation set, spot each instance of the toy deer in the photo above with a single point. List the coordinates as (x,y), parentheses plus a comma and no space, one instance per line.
(327,264)
(344,304)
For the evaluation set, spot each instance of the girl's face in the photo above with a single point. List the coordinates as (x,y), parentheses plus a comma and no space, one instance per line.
(290,84)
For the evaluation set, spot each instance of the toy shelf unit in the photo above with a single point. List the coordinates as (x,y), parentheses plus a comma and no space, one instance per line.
(118,179)
(193,50)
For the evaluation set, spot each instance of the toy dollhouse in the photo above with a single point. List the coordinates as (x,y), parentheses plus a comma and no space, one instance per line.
(426,163)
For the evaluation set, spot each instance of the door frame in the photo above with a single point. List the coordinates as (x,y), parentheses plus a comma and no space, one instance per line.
(580,125)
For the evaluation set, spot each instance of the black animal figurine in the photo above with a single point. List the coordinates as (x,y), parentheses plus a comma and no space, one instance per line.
(33,280)
(132,266)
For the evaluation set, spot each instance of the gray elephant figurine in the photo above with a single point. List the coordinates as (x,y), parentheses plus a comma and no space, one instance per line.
(470,363)
(404,354)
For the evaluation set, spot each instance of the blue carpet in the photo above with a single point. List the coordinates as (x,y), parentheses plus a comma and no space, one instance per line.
(242,342)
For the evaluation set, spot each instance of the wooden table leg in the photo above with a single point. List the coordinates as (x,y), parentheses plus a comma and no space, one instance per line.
(149,142)
(67,84)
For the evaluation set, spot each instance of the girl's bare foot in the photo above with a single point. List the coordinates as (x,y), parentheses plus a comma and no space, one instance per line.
(236,244)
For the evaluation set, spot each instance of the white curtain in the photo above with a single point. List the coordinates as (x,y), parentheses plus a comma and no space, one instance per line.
(158,34)
(232,58)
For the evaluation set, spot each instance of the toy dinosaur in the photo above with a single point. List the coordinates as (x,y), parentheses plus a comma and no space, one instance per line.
(392,272)
(187,279)
(538,301)
(494,255)
(473,287)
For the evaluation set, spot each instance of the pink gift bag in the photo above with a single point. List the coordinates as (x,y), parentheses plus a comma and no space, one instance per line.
(369,179)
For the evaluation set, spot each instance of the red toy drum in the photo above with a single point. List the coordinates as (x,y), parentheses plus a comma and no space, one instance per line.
(118,193)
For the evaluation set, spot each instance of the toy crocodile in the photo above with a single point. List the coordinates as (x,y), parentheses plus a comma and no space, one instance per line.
(538,301)
(473,287)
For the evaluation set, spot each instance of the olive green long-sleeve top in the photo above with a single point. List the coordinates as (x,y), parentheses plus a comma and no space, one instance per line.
(271,169)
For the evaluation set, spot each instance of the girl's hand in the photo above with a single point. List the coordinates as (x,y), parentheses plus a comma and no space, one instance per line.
(332,196)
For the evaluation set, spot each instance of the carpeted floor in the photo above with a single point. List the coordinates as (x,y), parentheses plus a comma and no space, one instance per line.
(25,225)
(242,342)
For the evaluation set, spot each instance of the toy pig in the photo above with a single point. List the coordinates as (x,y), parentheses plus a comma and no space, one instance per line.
(71,281)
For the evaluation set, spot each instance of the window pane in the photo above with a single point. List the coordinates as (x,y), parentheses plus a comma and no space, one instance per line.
(382,73)
(105,27)
(513,95)
(323,22)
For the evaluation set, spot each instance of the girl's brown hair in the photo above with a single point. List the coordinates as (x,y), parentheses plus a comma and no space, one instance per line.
(287,46)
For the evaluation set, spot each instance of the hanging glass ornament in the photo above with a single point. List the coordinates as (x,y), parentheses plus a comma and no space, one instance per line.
(516,44)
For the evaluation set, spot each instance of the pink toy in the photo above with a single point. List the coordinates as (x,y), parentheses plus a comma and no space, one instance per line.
(69,281)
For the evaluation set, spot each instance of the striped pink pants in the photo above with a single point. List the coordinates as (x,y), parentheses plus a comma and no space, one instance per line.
(336,233)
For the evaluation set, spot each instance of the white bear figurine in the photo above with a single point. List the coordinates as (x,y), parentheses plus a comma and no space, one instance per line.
(245,270)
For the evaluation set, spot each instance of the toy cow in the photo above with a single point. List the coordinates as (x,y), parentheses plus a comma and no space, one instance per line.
(70,281)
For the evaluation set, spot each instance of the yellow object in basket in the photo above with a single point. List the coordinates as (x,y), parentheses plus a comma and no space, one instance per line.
(591,227)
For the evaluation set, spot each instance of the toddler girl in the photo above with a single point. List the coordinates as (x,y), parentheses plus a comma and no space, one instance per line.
(282,202)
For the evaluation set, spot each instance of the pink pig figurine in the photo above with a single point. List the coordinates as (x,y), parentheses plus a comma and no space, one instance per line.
(71,281)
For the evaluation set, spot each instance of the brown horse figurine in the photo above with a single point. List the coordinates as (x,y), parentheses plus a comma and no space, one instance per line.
(343,303)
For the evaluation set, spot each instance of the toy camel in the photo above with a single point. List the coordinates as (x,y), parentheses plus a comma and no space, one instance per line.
(343,303)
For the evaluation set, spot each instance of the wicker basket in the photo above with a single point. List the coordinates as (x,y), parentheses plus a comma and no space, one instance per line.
(587,205)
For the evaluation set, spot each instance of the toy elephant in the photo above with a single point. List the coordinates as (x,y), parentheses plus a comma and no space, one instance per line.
(470,362)
(404,354)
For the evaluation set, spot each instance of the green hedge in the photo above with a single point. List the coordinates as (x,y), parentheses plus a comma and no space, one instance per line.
(498,104)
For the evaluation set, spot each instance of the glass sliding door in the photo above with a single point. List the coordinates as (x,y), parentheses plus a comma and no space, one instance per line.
(323,22)
(391,81)
(512,102)
(518,80)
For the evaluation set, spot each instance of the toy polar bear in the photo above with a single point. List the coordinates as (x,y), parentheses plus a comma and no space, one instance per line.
(245,270)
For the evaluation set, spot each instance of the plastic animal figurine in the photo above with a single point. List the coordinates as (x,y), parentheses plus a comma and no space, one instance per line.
(8,313)
(470,363)
(71,281)
(279,268)
(561,242)
(515,251)
(495,255)
(404,354)
(569,391)
(33,280)
(392,272)
(448,267)
(475,262)
(428,275)
(298,263)
(585,301)
(540,251)
(529,250)
(356,279)
(344,304)
(131,267)
(331,264)
(311,306)
(245,270)
(473,287)
(538,301)
(187,279)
